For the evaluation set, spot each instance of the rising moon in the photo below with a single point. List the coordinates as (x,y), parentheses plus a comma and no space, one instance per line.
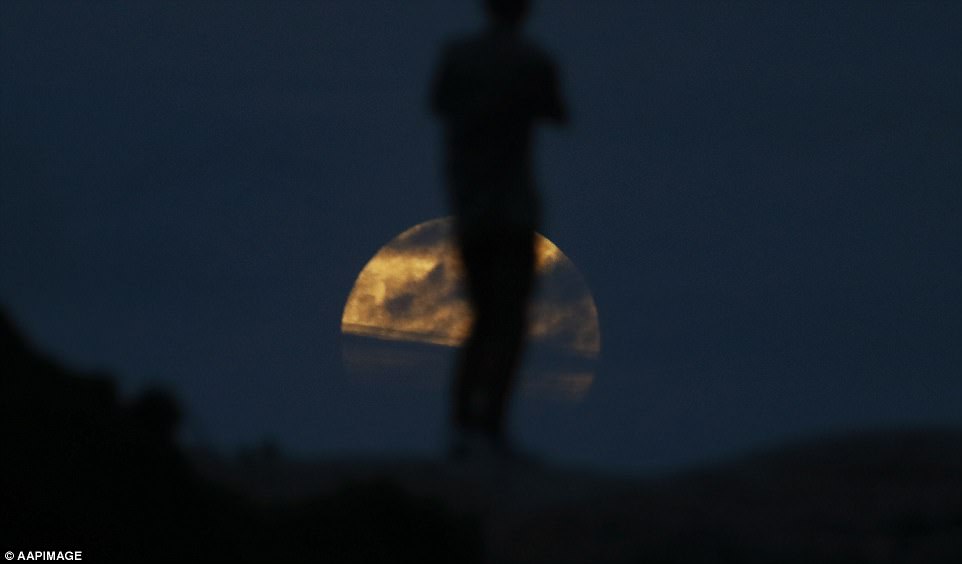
(408,305)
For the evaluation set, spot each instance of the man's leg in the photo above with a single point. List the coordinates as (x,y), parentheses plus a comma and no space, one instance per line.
(507,312)
(475,357)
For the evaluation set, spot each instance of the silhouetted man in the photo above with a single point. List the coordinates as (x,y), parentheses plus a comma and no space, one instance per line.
(489,90)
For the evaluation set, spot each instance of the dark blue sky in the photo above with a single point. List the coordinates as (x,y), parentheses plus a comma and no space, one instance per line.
(763,197)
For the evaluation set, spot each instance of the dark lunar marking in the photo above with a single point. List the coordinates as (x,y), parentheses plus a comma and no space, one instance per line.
(400,306)
(425,237)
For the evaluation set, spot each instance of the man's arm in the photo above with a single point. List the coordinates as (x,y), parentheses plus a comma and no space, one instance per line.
(551,104)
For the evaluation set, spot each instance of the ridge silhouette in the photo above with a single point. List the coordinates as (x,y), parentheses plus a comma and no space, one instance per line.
(84,470)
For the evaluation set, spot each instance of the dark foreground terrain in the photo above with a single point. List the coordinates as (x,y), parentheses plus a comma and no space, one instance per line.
(82,470)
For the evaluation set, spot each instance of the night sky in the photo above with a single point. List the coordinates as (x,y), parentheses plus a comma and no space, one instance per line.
(764,198)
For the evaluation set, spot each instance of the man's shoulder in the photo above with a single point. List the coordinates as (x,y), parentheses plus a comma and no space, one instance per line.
(534,51)
(480,45)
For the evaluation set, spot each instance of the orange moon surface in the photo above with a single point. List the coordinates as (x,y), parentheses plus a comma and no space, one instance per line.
(408,309)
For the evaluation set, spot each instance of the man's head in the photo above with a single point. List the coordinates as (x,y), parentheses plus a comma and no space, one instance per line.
(510,12)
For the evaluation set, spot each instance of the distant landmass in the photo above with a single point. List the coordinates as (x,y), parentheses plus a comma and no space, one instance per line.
(83,470)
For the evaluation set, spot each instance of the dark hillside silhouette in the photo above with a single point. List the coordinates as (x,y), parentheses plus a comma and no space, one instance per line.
(83,470)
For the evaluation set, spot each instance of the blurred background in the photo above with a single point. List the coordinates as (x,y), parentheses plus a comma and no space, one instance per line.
(763,199)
